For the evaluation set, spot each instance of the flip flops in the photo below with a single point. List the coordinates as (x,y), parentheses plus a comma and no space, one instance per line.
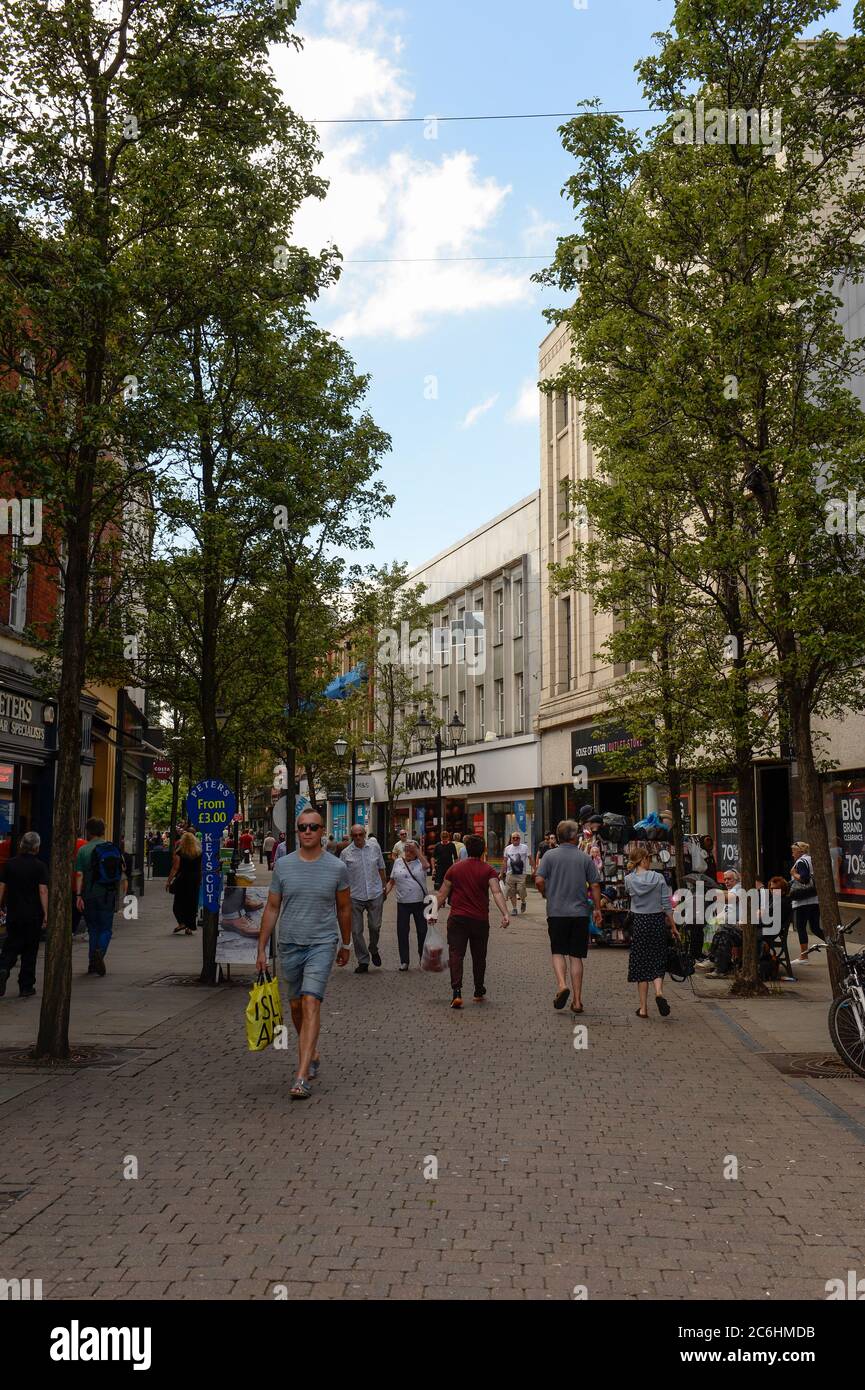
(561,998)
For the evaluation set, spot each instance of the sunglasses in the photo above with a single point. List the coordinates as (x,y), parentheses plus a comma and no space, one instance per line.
(305,828)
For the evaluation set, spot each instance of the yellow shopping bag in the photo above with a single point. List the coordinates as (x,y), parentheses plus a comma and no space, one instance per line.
(263,1012)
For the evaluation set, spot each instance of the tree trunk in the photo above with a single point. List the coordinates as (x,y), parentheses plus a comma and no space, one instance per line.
(674,783)
(53,1037)
(816,832)
(747,981)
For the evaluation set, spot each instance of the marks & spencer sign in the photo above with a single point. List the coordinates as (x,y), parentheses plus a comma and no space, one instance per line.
(459,775)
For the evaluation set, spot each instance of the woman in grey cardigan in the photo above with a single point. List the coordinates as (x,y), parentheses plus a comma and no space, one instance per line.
(651,915)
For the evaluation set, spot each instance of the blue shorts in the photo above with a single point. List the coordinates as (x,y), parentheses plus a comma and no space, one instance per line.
(306,969)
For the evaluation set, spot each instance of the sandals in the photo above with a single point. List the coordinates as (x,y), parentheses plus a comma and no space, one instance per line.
(300,1090)
(640,1014)
(576,1008)
(314,1068)
(663,1006)
(178,931)
(561,999)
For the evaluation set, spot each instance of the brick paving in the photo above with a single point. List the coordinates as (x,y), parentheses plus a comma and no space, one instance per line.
(557,1168)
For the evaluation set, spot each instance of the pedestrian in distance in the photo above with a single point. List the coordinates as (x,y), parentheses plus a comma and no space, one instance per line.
(408,880)
(444,855)
(367,880)
(24,897)
(399,848)
(651,917)
(514,872)
(246,843)
(803,895)
(310,894)
(708,846)
(99,873)
(79,926)
(547,843)
(184,881)
(268,846)
(468,885)
(565,878)
(281,849)
(462,852)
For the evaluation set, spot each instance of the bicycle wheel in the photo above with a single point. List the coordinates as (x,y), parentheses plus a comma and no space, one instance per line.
(844,1031)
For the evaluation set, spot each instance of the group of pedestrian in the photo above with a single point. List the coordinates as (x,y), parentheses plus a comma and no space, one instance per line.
(795,898)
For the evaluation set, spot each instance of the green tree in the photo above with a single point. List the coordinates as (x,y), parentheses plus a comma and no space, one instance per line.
(706,314)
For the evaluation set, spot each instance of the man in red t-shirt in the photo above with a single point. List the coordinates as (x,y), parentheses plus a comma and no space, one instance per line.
(468,884)
(246,841)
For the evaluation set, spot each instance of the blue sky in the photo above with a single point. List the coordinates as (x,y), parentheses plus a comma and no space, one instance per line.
(452,348)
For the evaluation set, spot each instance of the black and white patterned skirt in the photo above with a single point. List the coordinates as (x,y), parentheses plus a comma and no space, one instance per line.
(648,956)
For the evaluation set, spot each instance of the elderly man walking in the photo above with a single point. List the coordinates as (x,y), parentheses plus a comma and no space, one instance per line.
(514,873)
(565,877)
(367,880)
(24,895)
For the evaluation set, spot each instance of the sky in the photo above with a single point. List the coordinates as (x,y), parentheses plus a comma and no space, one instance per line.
(452,348)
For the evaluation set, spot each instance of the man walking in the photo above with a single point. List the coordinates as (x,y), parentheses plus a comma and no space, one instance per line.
(268,846)
(514,871)
(399,848)
(444,855)
(99,872)
(546,844)
(462,852)
(310,888)
(24,895)
(468,885)
(367,881)
(565,876)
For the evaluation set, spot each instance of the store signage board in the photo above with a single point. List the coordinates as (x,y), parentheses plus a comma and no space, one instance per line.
(453,775)
(726,818)
(23,719)
(590,749)
(210,807)
(850,829)
(161,769)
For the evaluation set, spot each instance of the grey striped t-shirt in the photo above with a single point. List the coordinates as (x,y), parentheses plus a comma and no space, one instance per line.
(308,888)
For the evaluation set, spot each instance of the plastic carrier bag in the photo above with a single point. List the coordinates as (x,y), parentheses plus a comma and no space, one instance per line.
(263,1012)
(435,950)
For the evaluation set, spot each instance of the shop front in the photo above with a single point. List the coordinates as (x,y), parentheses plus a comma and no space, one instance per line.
(27,744)
(488,789)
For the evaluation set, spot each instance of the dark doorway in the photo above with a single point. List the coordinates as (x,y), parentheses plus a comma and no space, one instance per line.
(775,827)
(618,797)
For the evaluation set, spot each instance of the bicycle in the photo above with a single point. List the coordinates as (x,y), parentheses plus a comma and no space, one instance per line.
(847,1012)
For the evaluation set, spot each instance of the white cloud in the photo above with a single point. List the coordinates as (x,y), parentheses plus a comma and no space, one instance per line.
(409,208)
(477,411)
(540,235)
(525,409)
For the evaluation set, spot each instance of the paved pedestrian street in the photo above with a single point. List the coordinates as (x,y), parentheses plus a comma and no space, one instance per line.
(474,1155)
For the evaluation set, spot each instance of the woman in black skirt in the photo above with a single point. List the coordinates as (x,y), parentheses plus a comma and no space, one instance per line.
(185,879)
(651,916)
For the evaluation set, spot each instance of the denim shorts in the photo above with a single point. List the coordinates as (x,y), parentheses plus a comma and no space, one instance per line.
(306,969)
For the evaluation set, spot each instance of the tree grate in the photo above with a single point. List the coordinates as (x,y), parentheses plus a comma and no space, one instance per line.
(823,1066)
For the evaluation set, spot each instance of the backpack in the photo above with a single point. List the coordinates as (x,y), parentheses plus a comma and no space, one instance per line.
(106,866)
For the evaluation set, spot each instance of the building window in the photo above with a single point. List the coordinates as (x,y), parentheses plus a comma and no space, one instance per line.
(461,707)
(562,399)
(500,615)
(518,608)
(446,710)
(569,665)
(482,716)
(519,712)
(442,643)
(461,634)
(500,708)
(18,585)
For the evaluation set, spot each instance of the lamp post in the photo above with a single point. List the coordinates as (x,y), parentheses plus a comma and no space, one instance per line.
(341,748)
(221,716)
(426,739)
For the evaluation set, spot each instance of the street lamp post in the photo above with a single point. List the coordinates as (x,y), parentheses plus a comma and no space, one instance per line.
(341,748)
(426,739)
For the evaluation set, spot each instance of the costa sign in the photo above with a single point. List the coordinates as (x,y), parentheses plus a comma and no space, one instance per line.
(161,769)
(461,775)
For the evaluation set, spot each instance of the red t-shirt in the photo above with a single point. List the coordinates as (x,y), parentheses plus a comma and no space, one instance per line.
(469,881)
(245,841)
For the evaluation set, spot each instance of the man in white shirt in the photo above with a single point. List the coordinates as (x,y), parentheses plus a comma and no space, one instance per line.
(514,872)
(399,848)
(366,880)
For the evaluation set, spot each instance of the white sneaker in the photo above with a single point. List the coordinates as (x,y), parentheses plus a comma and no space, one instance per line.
(403,967)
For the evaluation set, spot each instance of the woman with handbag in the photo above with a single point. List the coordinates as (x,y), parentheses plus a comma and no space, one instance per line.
(184,882)
(408,877)
(651,917)
(803,895)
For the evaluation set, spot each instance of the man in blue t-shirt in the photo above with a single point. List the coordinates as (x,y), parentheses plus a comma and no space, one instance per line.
(310,894)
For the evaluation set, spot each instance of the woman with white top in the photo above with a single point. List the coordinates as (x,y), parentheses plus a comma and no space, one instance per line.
(651,915)
(408,877)
(806,906)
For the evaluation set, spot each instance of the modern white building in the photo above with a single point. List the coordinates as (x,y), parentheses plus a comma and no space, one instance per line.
(485,591)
